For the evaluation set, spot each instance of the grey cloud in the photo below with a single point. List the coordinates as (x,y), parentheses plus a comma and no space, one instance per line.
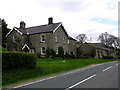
(73,6)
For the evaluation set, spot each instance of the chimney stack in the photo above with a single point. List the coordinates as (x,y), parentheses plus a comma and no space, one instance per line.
(22,24)
(50,20)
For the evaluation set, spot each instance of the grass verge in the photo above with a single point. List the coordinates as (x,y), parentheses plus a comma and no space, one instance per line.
(46,67)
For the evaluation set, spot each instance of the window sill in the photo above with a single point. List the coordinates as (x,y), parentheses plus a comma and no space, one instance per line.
(42,41)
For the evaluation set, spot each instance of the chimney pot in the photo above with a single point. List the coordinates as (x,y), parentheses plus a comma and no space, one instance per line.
(50,20)
(22,24)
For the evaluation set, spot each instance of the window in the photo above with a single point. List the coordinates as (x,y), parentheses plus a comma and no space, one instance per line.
(56,38)
(68,41)
(42,38)
(31,51)
(73,43)
(43,50)
(14,49)
(64,40)
(14,39)
(72,53)
(56,50)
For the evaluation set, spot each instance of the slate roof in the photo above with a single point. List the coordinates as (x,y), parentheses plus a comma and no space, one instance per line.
(30,45)
(72,38)
(39,29)
(99,46)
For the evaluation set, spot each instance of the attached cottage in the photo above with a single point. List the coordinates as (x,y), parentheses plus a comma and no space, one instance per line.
(101,50)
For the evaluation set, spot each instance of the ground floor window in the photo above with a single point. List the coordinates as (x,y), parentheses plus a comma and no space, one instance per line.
(43,50)
(31,51)
(72,53)
(56,50)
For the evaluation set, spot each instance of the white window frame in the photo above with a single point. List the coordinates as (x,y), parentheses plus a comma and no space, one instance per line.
(14,49)
(31,50)
(41,38)
(56,38)
(14,39)
(73,53)
(73,43)
(57,50)
(68,41)
(63,39)
(42,50)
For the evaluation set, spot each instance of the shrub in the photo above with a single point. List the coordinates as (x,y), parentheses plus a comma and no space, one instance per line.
(50,53)
(85,54)
(38,55)
(67,56)
(60,52)
(17,60)
(108,57)
(3,49)
(86,51)
(118,57)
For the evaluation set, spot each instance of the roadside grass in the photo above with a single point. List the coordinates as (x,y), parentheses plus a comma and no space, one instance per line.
(45,67)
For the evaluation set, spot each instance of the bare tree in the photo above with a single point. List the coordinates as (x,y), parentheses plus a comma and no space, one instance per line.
(109,40)
(116,42)
(106,39)
(81,38)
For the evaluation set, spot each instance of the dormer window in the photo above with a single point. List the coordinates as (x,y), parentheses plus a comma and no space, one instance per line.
(42,38)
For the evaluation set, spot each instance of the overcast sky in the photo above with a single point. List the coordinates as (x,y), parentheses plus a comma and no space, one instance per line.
(91,17)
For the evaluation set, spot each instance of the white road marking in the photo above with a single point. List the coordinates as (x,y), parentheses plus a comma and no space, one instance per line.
(81,82)
(35,82)
(59,75)
(116,64)
(107,68)
(29,83)
(54,76)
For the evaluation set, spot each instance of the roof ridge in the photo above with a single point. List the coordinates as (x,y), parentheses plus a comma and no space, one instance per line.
(42,25)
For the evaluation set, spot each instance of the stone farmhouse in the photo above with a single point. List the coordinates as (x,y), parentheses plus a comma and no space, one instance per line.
(38,38)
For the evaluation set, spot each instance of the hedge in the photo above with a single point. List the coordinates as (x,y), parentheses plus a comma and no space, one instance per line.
(108,57)
(17,60)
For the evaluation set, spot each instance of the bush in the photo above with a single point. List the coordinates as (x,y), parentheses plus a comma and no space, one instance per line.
(85,54)
(3,49)
(50,53)
(67,56)
(60,52)
(38,55)
(118,57)
(86,50)
(17,60)
(108,57)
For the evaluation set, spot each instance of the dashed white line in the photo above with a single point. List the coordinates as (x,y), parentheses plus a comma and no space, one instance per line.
(57,76)
(116,64)
(81,82)
(107,68)
(53,77)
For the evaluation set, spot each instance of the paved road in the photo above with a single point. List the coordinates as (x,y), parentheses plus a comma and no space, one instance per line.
(96,76)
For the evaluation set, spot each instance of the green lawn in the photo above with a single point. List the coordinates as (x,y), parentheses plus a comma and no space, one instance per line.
(46,67)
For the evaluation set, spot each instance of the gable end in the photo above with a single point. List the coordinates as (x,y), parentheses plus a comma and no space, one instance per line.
(13,30)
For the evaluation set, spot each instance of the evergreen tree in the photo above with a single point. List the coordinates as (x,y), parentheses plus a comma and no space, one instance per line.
(5,30)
